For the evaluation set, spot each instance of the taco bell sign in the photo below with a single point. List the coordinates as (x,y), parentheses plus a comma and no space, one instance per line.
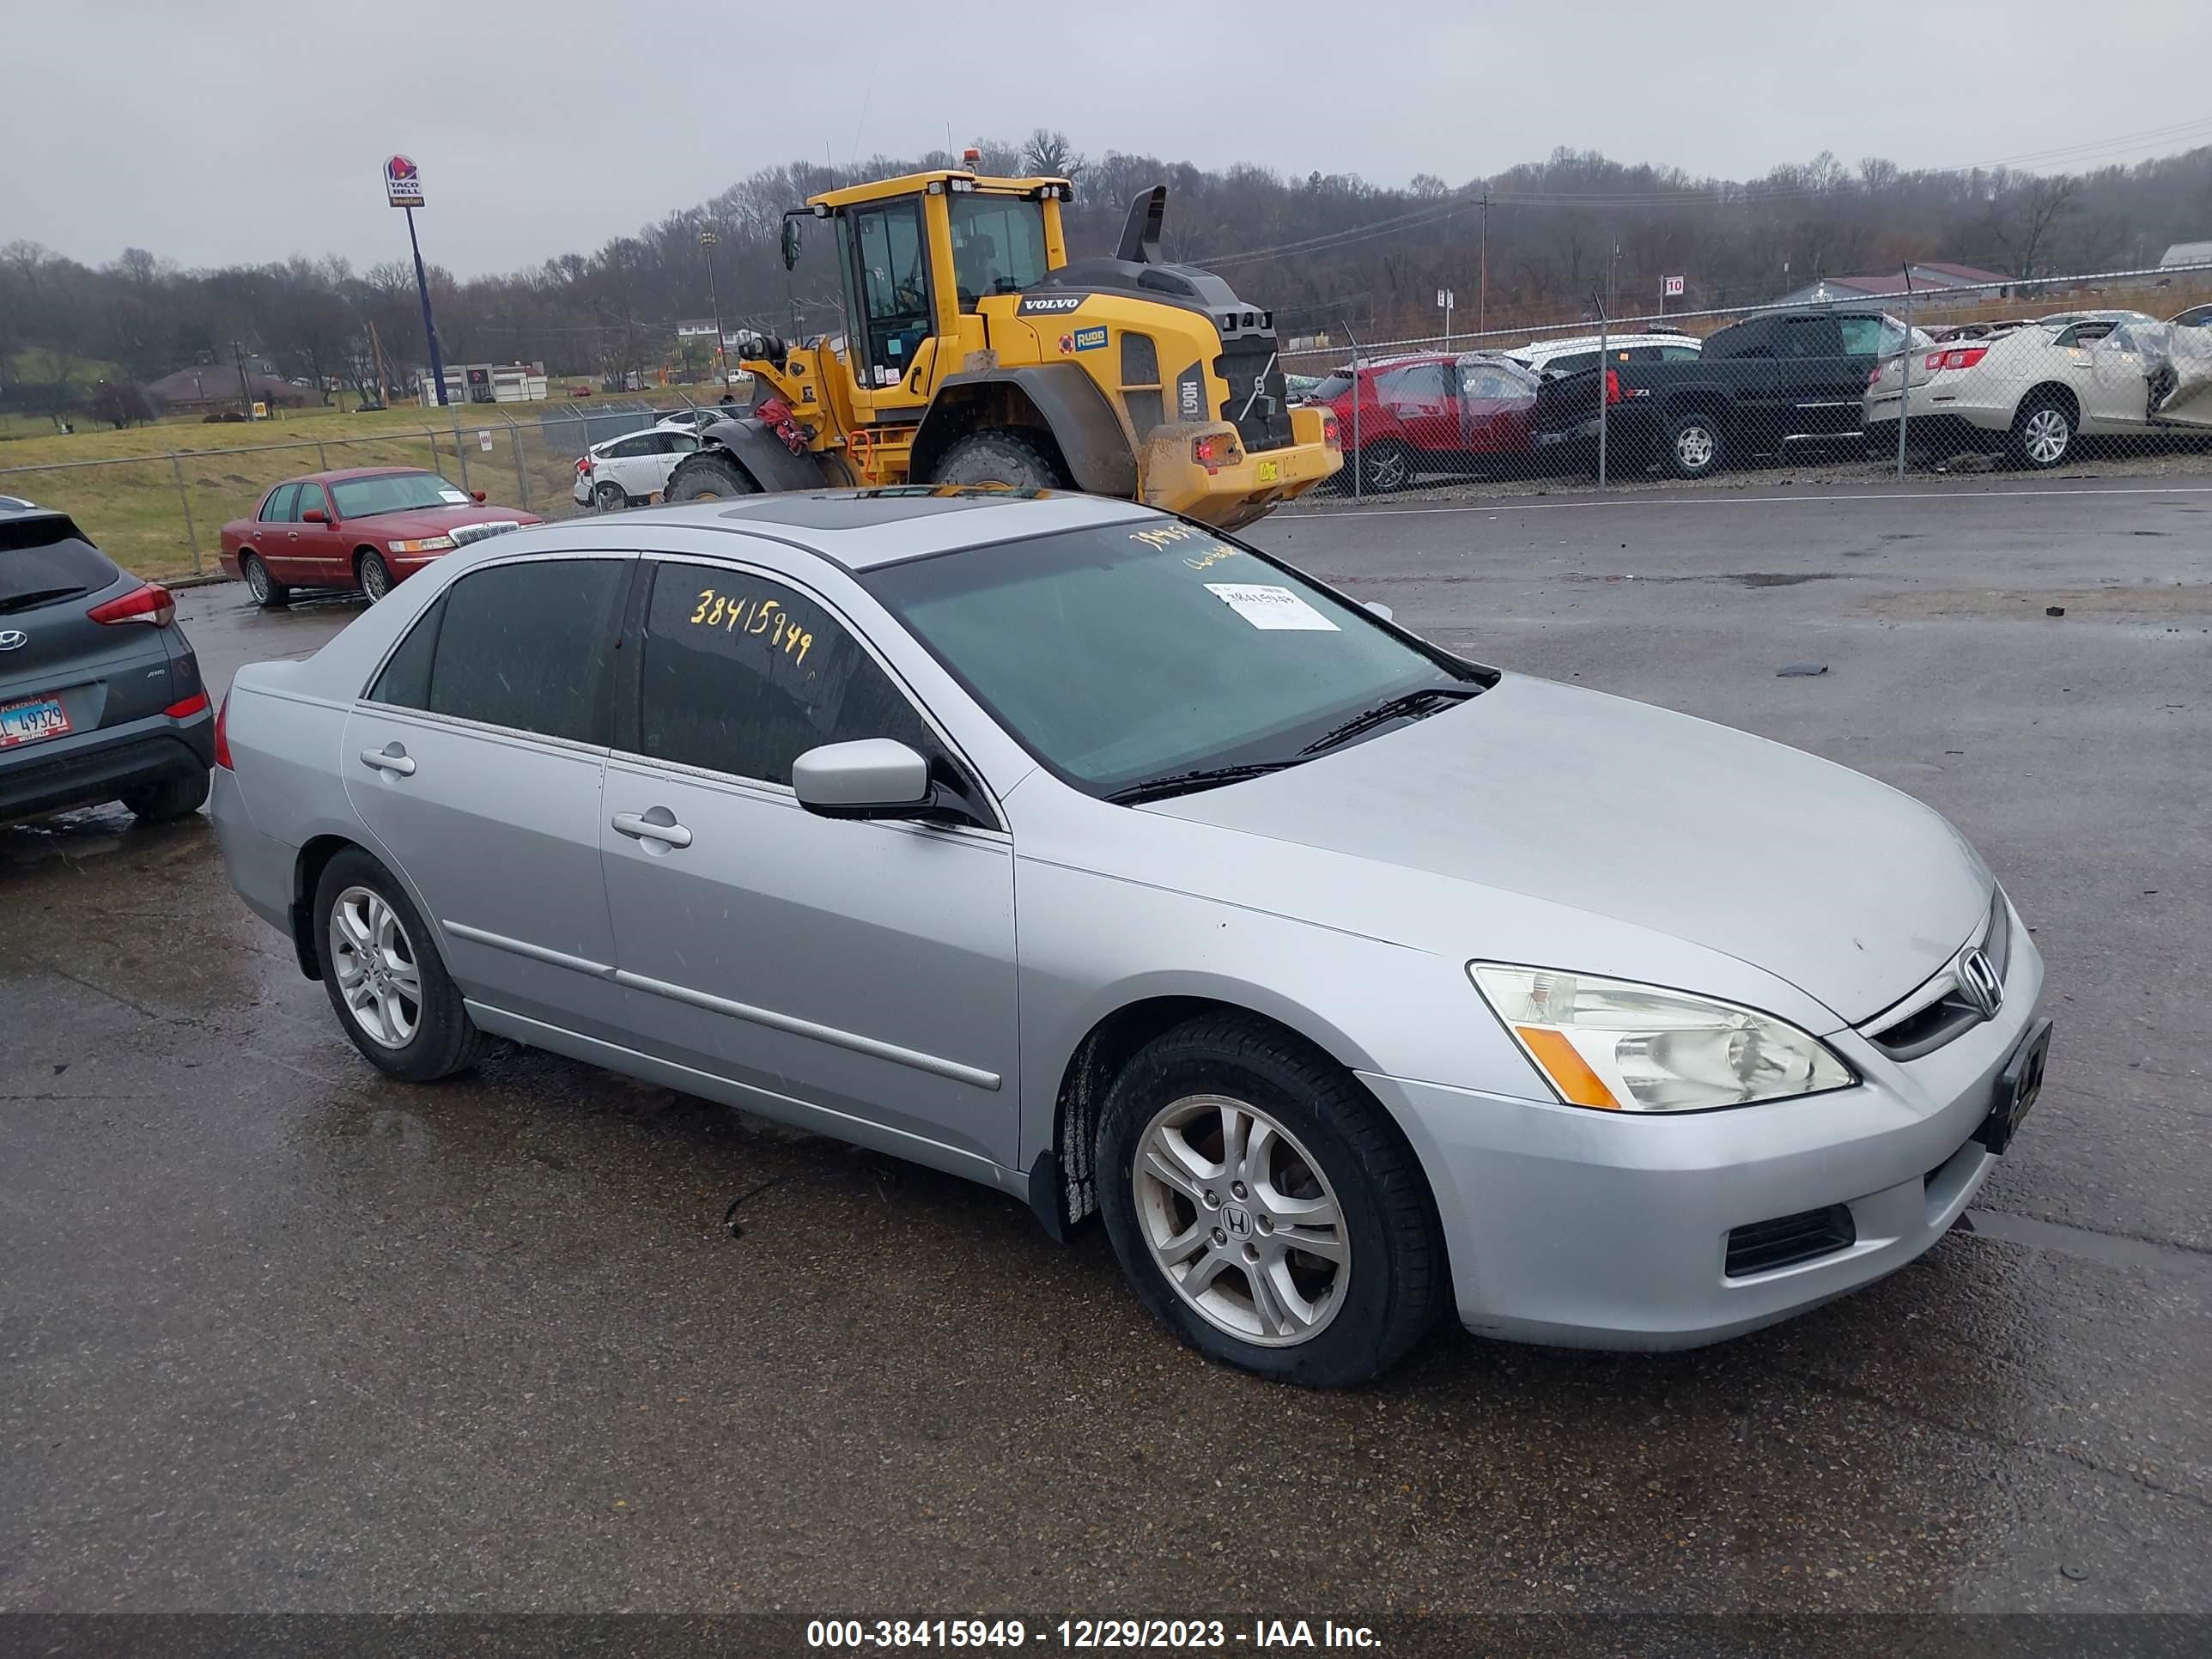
(403,183)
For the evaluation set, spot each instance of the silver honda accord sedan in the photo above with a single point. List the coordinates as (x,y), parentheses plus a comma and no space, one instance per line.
(1093,855)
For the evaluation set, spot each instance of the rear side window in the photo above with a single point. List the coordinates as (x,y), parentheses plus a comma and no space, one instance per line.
(742,676)
(45,560)
(405,681)
(524,646)
(278,509)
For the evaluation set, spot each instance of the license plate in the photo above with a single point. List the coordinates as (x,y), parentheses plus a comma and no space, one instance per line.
(1271,472)
(27,722)
(2017,1086)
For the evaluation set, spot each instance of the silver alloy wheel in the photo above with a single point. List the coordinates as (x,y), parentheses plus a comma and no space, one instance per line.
(1242,1221)
(376,968)
(1693,448)
(257,580)
(2045,435)
(613,498)
(375,579)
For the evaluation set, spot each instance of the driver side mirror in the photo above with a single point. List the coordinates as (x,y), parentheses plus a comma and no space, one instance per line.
(314,515)
(477,495)
(871,778)
(790,243)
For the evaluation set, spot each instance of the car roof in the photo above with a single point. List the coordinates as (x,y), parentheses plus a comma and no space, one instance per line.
(340,474)
(864,529)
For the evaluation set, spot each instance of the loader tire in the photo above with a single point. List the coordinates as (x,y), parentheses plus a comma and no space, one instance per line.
(708,475)
(1003,459)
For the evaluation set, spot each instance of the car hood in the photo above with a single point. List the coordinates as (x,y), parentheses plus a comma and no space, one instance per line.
(418,523)
(1848,890)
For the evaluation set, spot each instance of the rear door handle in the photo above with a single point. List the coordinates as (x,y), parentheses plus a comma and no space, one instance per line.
(390,758)
(654,823)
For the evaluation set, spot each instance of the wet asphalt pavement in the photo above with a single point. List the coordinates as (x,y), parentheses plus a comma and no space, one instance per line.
(277,1333)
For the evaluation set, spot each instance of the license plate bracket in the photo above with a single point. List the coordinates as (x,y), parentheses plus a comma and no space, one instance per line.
(2018,1083)
(34,720)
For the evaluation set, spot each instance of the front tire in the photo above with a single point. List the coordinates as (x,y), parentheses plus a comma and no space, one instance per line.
(167,799)
(1003,460)
(708,475)
(387,983)
(1264,1206)
(1695,445)
(374,574)
(268,593)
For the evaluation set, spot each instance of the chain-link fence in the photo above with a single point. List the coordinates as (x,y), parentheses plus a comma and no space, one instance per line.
(161,513)
(2108,372)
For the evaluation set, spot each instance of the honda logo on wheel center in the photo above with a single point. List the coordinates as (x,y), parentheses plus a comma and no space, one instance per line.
(1235,1222)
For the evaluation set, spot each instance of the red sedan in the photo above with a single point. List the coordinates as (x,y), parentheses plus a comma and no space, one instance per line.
(1429,413)
(362,527)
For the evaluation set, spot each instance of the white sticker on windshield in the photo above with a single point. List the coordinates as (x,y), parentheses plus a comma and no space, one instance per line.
(454,497)
(1271,607)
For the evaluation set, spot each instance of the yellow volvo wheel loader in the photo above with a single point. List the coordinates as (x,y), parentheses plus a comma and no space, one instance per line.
(976,353)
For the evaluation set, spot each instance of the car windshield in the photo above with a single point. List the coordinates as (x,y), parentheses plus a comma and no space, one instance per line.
(1131,656)
(394,492)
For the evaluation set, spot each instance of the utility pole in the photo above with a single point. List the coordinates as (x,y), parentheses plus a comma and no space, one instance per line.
(245,390)
(1482,279)
(376,353)
(707,241)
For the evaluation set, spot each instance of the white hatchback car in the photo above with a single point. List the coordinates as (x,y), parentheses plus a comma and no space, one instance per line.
(633,468)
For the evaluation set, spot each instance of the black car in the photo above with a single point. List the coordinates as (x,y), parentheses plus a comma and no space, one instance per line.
(101,696)
(1760,387)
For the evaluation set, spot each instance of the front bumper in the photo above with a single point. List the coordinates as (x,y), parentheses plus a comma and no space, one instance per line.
(1586,1229)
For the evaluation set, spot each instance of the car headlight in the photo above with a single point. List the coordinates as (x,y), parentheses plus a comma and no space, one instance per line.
(427,545)
(1626,1048)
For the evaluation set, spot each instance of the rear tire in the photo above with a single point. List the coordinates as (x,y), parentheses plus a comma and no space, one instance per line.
(2044,432)
(387,983)
(708,475)
(1338,1171)
(610,497)
(268,593)
(1003,459)
(167,799)
(374,574)
(1695,446)
(1385,467)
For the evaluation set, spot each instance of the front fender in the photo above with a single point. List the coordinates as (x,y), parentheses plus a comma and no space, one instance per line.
(762,455)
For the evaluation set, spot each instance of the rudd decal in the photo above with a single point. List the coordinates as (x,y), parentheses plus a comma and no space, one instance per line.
(1090,339)
(1036,305)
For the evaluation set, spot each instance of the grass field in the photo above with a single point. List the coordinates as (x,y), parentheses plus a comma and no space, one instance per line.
(129,489)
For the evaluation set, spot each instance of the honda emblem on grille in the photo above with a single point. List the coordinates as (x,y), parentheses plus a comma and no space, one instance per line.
(1978,982)
(13,639)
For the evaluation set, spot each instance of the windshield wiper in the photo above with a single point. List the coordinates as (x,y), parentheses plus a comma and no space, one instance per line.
(1184,783)
(1410,705)
(39,596)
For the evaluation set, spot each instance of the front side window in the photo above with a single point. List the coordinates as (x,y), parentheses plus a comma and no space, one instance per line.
(1869,336)
(1572,362)
(524,646)
(741,675)
(1678,354)
(998,245)
(1417,383)
(311,495)
(395,492)
(1128,654)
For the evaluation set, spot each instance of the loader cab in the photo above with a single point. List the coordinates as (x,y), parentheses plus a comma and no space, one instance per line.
(916,257)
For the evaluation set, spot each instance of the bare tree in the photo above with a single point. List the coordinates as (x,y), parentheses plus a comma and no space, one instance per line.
(1048,154)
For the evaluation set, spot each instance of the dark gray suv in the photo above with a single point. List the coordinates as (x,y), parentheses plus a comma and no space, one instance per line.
(101,696)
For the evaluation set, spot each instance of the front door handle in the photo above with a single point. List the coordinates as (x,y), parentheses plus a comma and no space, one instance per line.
(654,823)
(392,757)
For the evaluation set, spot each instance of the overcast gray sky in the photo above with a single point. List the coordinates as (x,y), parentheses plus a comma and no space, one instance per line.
(220,132)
